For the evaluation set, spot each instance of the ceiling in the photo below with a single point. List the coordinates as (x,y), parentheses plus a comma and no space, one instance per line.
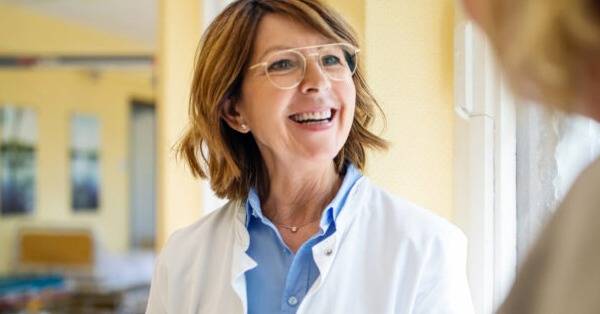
(132,19)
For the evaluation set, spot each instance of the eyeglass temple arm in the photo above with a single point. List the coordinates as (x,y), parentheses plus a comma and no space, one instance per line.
(257,65)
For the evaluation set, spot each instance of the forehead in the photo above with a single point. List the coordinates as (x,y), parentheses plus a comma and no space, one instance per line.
(277,31)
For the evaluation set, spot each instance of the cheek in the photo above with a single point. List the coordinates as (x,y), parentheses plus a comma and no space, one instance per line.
(347,95)
(270,107)
(262,106)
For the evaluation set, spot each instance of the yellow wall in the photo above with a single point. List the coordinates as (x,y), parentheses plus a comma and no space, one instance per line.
(408,51)
(353,12)
(55,95)
(409,66)
(24,32)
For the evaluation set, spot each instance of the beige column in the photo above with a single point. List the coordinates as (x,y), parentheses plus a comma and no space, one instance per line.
(179,195)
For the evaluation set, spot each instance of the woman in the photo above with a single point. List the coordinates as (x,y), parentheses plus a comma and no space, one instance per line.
(279,124)
(550,50)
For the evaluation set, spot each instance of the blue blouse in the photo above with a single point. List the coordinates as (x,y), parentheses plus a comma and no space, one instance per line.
(281,279)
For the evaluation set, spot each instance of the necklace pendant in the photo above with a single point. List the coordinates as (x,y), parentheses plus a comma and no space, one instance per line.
(294,229)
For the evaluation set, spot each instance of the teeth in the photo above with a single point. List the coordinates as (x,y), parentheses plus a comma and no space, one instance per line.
(311,116)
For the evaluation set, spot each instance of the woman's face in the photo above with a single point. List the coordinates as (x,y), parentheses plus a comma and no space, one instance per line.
(274,115)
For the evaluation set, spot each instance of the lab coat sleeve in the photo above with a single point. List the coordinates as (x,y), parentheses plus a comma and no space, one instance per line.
(443,288)
(158,289)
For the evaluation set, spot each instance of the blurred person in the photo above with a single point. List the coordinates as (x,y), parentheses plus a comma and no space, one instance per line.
(279,113)
(550,51)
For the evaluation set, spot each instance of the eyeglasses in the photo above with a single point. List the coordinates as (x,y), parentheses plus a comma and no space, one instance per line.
(285,69)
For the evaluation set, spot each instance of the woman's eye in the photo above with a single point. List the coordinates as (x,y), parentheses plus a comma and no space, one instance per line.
(331,60)
(282,65)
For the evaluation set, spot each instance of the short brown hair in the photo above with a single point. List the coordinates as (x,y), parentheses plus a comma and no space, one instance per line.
(231,160)
(543,45)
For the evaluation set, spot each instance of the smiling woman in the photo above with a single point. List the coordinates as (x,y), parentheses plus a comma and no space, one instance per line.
(218,83)
(280,114)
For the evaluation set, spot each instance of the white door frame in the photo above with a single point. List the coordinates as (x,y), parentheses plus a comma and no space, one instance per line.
(485,168)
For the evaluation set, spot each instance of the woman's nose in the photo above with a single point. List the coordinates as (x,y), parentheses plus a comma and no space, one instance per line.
(315,78)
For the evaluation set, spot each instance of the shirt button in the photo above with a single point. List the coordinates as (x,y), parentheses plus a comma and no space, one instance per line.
(328,252)
(292,301)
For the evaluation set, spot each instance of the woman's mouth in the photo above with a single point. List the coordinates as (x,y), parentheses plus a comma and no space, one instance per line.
(317,117)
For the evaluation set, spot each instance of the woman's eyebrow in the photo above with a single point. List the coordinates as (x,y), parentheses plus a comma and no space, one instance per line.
(273,48)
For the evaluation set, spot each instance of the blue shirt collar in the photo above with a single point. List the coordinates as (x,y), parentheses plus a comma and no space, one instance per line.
(331,211)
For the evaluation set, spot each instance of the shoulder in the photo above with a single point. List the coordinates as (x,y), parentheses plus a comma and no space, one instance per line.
(405,219)
(202,251)
(580,210)
(211,230)
(561,261)
(576,218)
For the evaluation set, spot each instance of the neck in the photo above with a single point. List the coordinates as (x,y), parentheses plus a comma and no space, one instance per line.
(298,193)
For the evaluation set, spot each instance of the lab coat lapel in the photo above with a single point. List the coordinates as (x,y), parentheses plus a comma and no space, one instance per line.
(240,262)
(325,252)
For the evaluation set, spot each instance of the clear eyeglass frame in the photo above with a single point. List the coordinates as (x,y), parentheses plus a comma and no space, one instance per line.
(291,79)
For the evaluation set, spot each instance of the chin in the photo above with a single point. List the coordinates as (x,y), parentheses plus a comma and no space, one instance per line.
(321,154)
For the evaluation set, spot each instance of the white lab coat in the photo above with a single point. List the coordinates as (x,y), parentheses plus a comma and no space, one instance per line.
(386,256)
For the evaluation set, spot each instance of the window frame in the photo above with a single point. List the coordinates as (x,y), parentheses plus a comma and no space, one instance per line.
(485,168)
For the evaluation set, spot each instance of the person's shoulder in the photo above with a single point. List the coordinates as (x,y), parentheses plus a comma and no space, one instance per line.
(207,230)
(554,263)
(406,218)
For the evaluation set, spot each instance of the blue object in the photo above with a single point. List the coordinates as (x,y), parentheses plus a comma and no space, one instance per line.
(281,279)
(19,284)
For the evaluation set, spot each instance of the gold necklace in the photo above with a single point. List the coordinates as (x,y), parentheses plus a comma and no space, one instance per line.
(295,229)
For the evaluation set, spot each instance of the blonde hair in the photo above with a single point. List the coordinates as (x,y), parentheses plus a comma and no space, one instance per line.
(231,160)
(543,45)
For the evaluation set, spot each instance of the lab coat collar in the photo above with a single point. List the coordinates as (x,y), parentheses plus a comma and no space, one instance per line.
(240,262)
(324,252)
(331,211)
(242,237)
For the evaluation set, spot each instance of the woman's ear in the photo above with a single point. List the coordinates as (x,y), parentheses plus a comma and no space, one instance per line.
(233,117)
